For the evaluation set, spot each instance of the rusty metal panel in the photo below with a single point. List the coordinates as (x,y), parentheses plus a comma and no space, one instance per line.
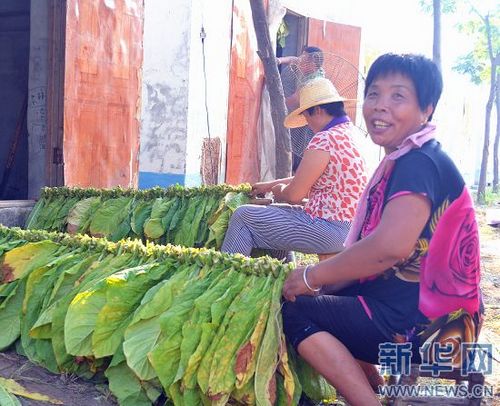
(245,91)
(339,39)
(102,92)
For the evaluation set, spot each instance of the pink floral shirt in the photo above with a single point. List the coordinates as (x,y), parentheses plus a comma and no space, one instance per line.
(335,194)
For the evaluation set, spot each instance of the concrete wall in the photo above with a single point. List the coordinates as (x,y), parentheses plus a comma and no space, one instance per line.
(37,91)
(162,159)
(14,213)
(173,119)
(14,52)
(217,24)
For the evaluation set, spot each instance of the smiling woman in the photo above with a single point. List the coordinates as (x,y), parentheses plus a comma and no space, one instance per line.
(397,105)
(392,112)
(411,266)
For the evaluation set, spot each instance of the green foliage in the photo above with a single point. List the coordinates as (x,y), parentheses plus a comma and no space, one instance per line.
(80,215)
(477,63)
(179,215)
(447,6)
(472,66)
(283,32)
(491,198)
(144,315)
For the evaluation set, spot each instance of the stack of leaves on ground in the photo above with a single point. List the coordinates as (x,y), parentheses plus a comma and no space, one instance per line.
(194,325)
(192,217)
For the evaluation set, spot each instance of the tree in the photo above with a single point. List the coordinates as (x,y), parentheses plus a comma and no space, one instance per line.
(437,7)
(481,65)
(497,139)
(275,88)
(436,40)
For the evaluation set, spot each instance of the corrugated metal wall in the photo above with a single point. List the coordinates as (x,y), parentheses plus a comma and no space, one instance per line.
(102,92)
(342,40)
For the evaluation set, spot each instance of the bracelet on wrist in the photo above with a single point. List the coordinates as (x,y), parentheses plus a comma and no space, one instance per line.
(304,277)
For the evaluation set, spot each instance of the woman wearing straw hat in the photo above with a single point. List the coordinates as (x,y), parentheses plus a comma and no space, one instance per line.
(331,177)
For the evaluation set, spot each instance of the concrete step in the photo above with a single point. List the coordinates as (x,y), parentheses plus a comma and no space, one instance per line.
(13,213)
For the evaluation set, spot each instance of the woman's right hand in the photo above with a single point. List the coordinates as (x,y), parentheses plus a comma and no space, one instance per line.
(259,189)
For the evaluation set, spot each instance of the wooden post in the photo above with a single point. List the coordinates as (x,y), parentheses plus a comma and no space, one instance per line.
(273,82)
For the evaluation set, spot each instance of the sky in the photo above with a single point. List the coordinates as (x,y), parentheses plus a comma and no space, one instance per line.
(389,25)
(401,26)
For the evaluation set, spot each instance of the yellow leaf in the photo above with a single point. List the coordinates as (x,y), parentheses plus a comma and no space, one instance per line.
(16,389)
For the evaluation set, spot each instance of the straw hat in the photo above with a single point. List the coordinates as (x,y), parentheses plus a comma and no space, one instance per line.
(315,92)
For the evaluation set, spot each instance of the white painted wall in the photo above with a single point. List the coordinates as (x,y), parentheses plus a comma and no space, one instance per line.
(215,17)
(174,118)
(164,118)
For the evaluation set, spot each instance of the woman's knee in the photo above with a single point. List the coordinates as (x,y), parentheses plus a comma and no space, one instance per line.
(297,324)
(242,212)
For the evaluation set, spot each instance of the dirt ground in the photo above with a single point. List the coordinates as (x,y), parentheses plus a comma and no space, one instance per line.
(490,284)
(69,390)
(73,391)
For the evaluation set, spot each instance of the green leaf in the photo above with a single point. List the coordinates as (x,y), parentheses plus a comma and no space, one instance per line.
(38,284)
(188,229)
(7,399)
(10,314)
(218,230)
(141,212)
(268,353)
(65,283)
(81,319)
(80,215)
(124,291)
(112,219)
(59,217)
(20,261)
(154,227)
(166,355)
(97,271)
(125,385)
(33,220)
(144,332)
(234,200)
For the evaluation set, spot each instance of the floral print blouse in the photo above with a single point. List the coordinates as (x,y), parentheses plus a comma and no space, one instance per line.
(335,194)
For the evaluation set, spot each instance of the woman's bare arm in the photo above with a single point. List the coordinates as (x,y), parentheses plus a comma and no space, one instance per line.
(261,188)
(394,239)
(311,167)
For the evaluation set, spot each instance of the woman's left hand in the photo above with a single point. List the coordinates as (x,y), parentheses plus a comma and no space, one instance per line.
(295,286)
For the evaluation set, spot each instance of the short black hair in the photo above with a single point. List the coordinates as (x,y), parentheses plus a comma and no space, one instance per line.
(335,109)
(311,50)
(316,53)
(423,72)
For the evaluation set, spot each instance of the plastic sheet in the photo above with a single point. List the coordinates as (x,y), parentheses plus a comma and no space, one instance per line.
(245,90)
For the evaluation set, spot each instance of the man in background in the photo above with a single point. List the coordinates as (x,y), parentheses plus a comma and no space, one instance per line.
(295,72)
